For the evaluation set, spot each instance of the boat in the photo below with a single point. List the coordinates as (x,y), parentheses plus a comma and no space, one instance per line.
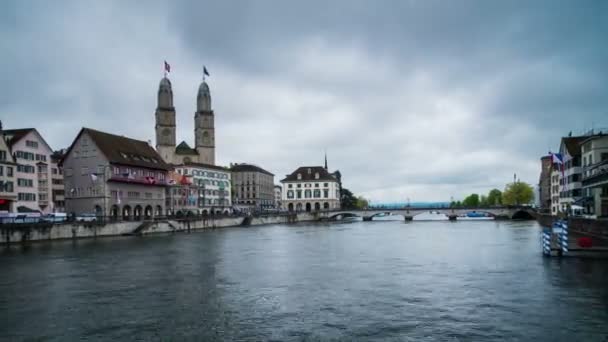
(475,216)
(387,216)
(431,216)
(347,217)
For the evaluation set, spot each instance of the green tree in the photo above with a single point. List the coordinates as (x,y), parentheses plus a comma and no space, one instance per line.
(471,201)
(518,193)
(494,197)
(483,201)
(362,203)
(348,200)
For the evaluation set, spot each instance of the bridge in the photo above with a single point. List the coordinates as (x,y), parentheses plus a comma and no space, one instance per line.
(505,212)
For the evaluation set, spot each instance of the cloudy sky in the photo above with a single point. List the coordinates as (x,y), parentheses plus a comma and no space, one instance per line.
(411,99)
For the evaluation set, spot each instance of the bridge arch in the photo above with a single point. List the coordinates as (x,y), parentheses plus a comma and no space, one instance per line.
(522,215)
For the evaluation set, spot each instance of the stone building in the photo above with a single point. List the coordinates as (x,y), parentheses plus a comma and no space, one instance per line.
(253,187)
(594,150)
(57,188)
(311,188)
(571,186)
(8,196)
(182,195)
(278,192)
(115,176)
(204,128)
(33,170)
(544,183)
(214,183)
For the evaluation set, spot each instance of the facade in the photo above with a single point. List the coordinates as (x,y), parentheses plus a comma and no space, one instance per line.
(115,176)
(595,175)
(213,184)
(555,190)
(311,188)
(57,188)
(182,195)
(8,196)
(253,187)
(33,170)
(544,183)
(204,128)
(278,193)
(571,186)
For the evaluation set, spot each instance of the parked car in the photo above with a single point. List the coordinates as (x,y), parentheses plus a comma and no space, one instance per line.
(86,218)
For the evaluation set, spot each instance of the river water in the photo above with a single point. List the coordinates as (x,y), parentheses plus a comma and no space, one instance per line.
(393,281)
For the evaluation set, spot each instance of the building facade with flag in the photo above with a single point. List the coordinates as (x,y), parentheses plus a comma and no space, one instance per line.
(114,176)
(204,127)
(594,150)
(214,186)
(182,195)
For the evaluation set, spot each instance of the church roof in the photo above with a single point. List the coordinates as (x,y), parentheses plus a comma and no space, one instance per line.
(308,174)
(184,149)
(124,151)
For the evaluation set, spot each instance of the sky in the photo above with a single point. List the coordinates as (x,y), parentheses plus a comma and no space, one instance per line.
(421,100)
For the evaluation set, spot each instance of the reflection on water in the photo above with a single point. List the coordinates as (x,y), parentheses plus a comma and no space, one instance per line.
(361,281)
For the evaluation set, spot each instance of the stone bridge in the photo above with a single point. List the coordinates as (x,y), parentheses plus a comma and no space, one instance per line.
(507,213)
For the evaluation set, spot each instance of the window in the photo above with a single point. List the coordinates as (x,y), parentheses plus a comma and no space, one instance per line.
(604,156)
(2,155)
(40,157)
(316,175)
(298,194)
(85,170)
(325,193)
(317,193)
(299,176)
(25,155)
(25,182)
(307,194)
(1,170)
(32,144)
(326,184)
(26,197)
(316,185)
(6,186)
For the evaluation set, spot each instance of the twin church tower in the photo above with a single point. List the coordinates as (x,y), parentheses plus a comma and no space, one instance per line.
(204,132)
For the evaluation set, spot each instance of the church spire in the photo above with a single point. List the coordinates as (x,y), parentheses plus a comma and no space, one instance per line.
(326,160)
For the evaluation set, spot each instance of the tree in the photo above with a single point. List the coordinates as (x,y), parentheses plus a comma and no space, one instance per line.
(471,201)
(362,203)
(494,197)
(483,201)
(518,193)
(348,200)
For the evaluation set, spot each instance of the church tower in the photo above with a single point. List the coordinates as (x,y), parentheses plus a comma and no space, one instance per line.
(165,121)
(204,132)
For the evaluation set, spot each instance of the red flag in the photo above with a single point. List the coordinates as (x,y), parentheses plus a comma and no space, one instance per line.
(167,67)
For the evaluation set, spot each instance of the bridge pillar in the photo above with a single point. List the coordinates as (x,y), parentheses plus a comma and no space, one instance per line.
(453,217)
(408,218)
(367,218)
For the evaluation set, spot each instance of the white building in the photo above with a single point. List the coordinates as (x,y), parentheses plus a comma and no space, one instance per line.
(311,188)
(8,196)
(33,171)
(214,182)
(555,191)
(595,175)
(571,185)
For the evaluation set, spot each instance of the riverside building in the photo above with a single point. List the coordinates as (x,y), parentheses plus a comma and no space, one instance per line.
(311,188)
(115,176)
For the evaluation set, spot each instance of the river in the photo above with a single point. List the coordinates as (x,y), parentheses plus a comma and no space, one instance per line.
(382,281)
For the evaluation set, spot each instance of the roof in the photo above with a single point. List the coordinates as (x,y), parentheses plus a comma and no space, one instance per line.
(248,168)
(125,151)
(308,174)
(16,134)
(184,149)
(573,144)
(205,166)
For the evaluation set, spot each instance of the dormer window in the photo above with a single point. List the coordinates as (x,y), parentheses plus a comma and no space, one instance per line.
(309,170)
(316,175)
(299,176)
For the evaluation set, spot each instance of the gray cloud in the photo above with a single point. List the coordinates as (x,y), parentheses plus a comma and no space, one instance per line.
(418,99)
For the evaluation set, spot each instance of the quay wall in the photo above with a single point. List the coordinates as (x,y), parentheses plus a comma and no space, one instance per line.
(591,227)
(41,232)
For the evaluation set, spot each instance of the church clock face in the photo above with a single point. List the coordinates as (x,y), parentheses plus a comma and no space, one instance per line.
(166,132)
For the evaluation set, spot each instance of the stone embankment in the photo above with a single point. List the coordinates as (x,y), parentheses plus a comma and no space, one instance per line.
(21,233)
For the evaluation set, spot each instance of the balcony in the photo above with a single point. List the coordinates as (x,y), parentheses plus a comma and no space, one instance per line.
(596,175)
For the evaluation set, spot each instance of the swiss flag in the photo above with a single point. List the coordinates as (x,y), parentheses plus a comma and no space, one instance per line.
(167,67)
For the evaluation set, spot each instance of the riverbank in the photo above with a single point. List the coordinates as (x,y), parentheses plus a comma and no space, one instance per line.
(78,230)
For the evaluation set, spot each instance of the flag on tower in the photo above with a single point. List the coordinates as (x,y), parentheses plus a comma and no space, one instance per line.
(205,71)
(167,67)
